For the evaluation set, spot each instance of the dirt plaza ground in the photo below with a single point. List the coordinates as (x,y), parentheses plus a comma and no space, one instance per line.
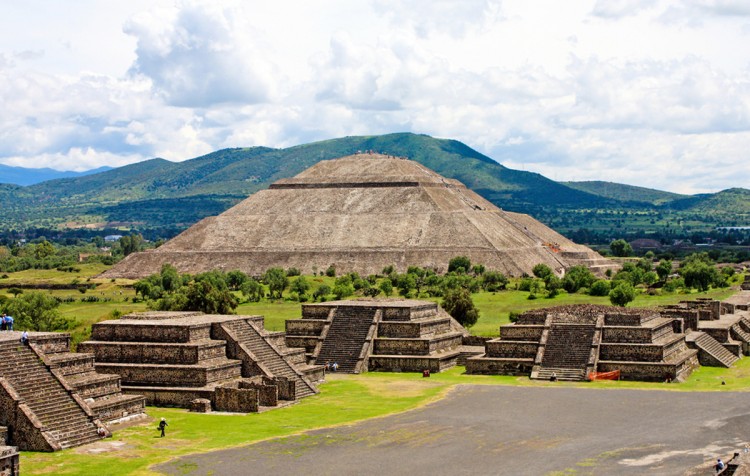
(510,430)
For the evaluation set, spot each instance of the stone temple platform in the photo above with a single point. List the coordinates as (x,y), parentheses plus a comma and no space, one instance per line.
(386,335)
(175,358)
(572,342)
(52,399)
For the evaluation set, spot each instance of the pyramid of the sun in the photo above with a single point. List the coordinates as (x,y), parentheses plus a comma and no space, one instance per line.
(362,213)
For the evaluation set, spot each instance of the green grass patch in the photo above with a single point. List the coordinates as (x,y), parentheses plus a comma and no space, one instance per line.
(343,399)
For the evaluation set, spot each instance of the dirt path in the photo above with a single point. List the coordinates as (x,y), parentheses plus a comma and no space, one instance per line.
(509,430)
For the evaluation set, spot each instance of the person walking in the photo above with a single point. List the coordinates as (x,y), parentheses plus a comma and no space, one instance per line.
(162,426)
(8,322)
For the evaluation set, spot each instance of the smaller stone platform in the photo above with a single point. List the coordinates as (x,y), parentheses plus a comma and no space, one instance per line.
(381,334)
(570,342)
(174,358)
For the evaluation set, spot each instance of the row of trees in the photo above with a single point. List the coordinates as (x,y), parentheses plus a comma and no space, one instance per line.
(697,271)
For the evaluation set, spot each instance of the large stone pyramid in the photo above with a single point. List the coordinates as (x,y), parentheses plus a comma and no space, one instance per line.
(361,213)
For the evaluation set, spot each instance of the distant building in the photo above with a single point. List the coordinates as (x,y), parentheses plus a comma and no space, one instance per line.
(645,244)
(112,238)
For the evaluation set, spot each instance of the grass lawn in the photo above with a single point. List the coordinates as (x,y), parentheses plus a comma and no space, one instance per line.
(343,399)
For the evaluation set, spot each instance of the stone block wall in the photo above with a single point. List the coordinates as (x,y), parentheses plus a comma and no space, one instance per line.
(153,352)
(411,364)
(397,314)
(636,335)
(413,329)
(22,427)
(522,332)
(138,332)
(316,312)
(511,349)
(268,393)
(631,352)
(50,343)
(305,327)
(9,461)
(491,366)
(237,400)
(171,376)
(689,317)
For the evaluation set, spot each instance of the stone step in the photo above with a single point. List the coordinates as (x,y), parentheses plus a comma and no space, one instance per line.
(740,333)
(714,348)
(269,355)
(574,375)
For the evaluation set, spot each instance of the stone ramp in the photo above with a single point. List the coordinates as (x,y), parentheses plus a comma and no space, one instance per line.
(346,338)
(567,351)
(64,421)
(268,355)
(712,347)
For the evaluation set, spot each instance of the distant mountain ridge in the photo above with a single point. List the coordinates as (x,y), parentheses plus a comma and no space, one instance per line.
(29,176)
(161,194)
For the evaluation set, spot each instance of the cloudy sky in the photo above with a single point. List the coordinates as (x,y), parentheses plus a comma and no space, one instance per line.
(651,93)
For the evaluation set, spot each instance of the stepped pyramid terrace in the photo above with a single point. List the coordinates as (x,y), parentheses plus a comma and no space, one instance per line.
(574,342)
(52,399)
(384,334)
(361,213)
(202,361)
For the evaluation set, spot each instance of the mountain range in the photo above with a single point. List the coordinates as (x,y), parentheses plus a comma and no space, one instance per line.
(30,176)
(158,193)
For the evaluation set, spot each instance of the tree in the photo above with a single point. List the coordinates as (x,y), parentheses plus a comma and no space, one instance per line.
(553,284)
(206,297)
(457,302)
(343,290)
(494,281)
(44,249)
(621,248)
(252,290)
(322,292)
(276,280)
(235,279)
(386,286)
(406,283)
(37,311)
(600,288)
(171,280)
(131,243)
(331,271)
(578,277)
(622,294)
(664,269)
(300,286)
(699,275)
(542,271)
(459,264)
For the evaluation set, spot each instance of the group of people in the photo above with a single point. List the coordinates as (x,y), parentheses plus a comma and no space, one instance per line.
(332,366)
(7,322)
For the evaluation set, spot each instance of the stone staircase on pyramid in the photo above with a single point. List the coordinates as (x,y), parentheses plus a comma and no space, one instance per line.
(566,352)
(270,359)
(711,351)
(393,335)
(42,412)
(346,337)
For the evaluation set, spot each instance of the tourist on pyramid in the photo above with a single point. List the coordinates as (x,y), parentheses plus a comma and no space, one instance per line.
(25,337)
(7,322)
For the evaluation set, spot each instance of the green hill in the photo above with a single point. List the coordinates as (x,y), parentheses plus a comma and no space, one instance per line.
(625,193)
(159,194)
